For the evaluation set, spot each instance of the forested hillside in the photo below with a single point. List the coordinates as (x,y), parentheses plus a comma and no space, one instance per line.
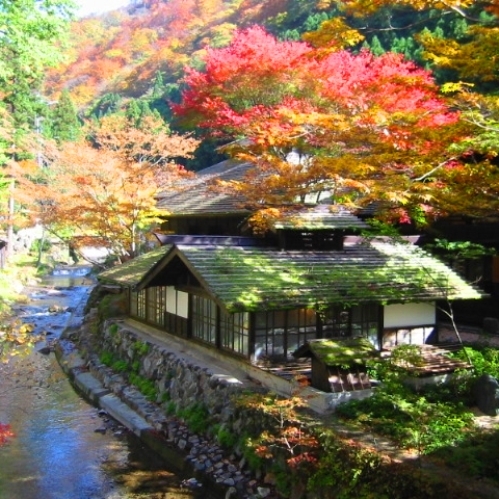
(391,102)
(141,52)
(134,59)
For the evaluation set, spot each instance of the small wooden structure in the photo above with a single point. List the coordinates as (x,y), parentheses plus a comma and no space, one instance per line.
(434,360)
(339,365)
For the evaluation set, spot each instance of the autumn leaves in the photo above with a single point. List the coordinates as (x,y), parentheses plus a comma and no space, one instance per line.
(365,128)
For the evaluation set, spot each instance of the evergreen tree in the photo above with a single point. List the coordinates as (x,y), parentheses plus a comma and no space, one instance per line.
(145,110)
(65,123)
(376,47)
(159,85)
(107,104)
(133,113)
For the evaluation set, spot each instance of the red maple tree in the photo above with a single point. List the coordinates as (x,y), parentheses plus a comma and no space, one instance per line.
(363,128)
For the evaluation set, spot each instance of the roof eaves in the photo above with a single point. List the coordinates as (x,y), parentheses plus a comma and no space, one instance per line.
(133,271)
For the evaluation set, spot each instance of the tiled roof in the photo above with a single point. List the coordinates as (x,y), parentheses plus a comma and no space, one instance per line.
(320,217)
(243,278)
(195,196)
(131,272)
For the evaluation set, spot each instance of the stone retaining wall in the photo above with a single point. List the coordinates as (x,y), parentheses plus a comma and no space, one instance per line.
(182,384)
(179,382)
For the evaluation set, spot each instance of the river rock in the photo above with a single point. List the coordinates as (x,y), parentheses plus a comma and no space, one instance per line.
(486,393)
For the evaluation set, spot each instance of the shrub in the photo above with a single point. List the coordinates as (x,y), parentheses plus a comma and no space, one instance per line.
(171,408)
(113,329)
(196,418)
(145,386)
(141,348)
(120,366)
(107,358)
(226,438)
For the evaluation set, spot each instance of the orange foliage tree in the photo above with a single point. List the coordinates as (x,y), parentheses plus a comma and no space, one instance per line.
(469,185)
(103,189)
(355,127)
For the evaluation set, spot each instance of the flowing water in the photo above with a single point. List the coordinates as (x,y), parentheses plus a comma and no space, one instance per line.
(63,447)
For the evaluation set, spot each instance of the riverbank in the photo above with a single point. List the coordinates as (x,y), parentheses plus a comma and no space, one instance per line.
(209,462)
(211,465)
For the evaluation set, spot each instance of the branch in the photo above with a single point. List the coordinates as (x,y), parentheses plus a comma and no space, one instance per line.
(433,170)
(474,121)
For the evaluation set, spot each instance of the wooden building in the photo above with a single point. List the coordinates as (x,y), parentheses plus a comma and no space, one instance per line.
(261,299)
(339,365)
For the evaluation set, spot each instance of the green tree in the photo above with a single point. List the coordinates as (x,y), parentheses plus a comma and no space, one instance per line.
(376,46)
(32,33)
(133,112)
(107,104)
(65,123)
(30,42)
(158,86)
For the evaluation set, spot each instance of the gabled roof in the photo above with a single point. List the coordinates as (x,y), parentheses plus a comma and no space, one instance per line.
(132,272)
(196,196)
(253,278)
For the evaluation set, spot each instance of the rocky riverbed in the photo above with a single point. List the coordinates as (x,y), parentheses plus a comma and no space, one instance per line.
(210,464)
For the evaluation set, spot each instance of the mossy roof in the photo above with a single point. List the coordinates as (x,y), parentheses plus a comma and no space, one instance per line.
(346,352)
(259,279)
(320,217)
(132,272)
(252,278)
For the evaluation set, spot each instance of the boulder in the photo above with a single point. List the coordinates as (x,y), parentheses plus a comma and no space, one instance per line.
(486,393)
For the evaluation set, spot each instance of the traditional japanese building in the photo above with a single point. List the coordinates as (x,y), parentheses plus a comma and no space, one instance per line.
(261,299)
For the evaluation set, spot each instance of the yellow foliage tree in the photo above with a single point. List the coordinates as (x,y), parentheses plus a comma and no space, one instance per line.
(104,188)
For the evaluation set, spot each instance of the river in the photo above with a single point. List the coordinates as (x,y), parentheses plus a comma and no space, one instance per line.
(63,447)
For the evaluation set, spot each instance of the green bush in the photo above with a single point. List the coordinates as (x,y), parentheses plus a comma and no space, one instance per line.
(226,438)
(113,329)
(476,455)
(107,358)
(145,386)
(171,408)
(141,348)
(434,417)
(255,462)
(40,245)
(196,418)
(485,359)
(166,397)
(120,366)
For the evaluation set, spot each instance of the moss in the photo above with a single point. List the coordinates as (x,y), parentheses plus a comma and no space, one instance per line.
(343,352)
(112,305)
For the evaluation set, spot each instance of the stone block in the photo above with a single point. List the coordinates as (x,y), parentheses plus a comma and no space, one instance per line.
(486,393)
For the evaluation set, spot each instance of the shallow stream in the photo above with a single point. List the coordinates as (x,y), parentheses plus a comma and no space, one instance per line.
(63,447)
